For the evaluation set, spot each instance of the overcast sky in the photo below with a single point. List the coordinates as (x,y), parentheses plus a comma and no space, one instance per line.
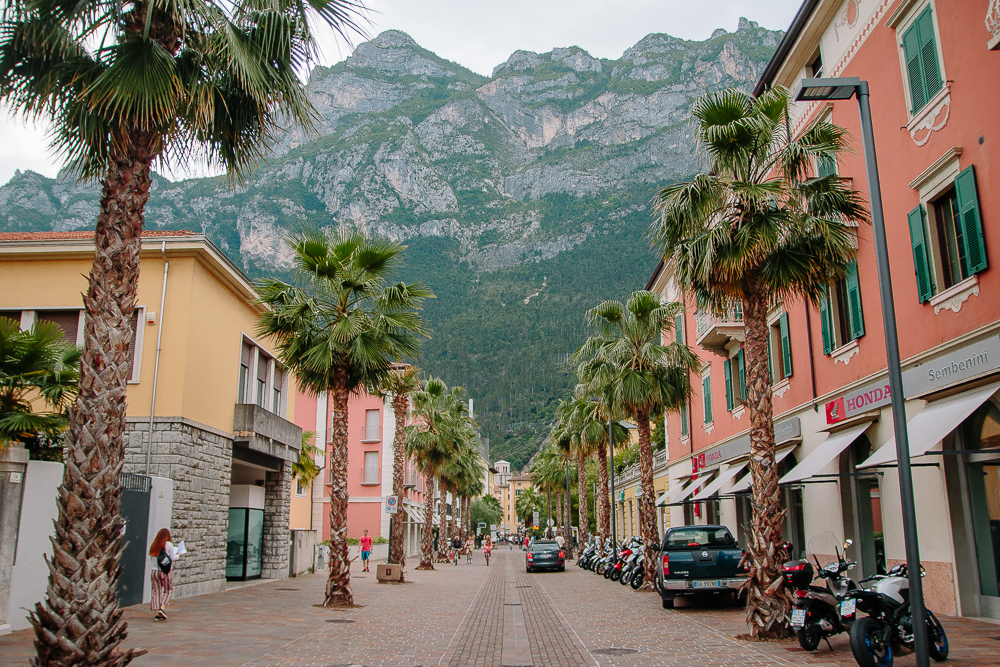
(481,34)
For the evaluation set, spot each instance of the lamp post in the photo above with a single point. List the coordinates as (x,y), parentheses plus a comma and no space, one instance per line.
(844,89)
(568,528)
(614,510)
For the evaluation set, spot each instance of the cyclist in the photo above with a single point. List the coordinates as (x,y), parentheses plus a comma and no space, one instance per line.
(468,549)
(487,549)
(456,547)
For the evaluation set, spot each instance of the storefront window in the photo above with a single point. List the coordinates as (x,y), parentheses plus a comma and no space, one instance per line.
(984,495)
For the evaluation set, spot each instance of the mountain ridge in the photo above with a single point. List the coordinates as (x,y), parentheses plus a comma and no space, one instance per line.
(523,197)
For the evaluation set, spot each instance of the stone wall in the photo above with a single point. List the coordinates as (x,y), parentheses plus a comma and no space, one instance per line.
(199,461)
(277,496)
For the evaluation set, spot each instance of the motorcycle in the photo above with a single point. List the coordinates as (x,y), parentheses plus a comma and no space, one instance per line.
(878,637)
(587,556)
(623,555)
(628,568)
(639,573)
(819,611)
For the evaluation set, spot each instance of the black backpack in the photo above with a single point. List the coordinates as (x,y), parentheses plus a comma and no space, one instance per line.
(164,561)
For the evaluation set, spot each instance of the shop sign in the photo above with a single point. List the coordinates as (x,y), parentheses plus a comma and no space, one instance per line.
(869,397)
(962,364)
(957,366)
(785,430)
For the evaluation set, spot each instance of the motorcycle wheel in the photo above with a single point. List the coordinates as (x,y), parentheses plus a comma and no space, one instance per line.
(938,648)
(866,638)
(616,574)
(600,569)
(625,578)
(809,636)
(637,578)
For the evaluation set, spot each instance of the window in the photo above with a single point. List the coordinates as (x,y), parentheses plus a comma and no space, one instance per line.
(135,347)
(263,372)
(815,68)
(706,394)
(840,313)
(826,167)
(372,425)
(947,237)
(518,492)
(67,320)
(779,357)
(923,70)
(736,382)
(279,381)
(679,328)
(684,419)
(371,468)
(301,489)
(246,362)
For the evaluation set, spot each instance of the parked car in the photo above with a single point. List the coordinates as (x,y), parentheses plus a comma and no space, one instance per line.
(699,559)
(544,555)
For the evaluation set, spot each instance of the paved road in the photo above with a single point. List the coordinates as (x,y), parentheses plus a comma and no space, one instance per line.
(494,616)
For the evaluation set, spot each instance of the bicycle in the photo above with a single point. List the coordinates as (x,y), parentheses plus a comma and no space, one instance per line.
(486,552)
(468,556)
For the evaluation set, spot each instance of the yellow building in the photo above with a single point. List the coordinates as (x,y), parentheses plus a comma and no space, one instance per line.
(515,486)
(204,391)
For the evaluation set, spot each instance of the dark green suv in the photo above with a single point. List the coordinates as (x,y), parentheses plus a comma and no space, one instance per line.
(544,555)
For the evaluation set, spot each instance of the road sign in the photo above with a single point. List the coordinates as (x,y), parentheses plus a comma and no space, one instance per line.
(550,522)
(391,504)
(534,518)
(482,524)
(493,526)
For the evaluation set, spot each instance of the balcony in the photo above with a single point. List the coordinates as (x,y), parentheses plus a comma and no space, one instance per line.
(410,479)
(993,24)
(265,432)
(659,459)
(713,332)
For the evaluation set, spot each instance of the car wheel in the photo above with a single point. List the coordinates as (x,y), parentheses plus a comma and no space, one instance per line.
(527,569)
(668,603)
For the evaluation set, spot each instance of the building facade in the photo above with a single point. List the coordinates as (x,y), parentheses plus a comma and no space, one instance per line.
(932,67)
(207,402)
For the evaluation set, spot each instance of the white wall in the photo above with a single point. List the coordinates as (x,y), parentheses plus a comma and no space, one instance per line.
(30,576)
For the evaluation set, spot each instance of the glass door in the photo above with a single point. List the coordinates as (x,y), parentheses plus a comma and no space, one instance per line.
(244,543)
(983,433)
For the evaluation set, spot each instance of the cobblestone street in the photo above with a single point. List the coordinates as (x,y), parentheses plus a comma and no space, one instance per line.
(492,616)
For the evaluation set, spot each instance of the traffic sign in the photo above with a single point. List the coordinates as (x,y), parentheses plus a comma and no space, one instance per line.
(534,518)
(550,522)
(391,504)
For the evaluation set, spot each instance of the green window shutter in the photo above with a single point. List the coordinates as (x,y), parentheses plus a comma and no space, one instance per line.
(679,327)
(727,368)
(970,220)
(706,390)
(857,318)
(786,346)
(826,167)
(825,324)
(921,262)
(928,54)
(770,369)
(684,418)
(914,69)
(742,367)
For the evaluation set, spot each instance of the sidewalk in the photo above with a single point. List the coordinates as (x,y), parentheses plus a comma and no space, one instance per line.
(474,615)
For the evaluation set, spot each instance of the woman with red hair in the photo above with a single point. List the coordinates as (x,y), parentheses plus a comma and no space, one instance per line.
(164,553)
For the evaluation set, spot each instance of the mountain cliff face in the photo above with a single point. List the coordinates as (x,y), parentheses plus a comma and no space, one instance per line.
(523,197)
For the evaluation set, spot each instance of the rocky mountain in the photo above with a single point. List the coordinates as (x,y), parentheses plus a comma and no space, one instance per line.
(523,196)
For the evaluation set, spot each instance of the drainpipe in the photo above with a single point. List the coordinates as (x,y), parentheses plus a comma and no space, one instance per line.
(156,363)
(812,362)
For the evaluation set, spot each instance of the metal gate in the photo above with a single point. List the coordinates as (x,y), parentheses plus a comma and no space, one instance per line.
(135,512)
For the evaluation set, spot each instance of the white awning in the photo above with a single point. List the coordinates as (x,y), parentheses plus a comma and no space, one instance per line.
(674,488)
(682,495)
(745,482)
(824,453)
(932,424)
(415,514)
(731,472)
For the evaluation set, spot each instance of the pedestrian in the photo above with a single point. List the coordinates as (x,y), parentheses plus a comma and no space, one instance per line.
(163,553)
(366,550)
(435,543)
(560,540)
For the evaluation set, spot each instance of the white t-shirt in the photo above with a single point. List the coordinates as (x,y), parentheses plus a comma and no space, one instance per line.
(560,541)
(171,550)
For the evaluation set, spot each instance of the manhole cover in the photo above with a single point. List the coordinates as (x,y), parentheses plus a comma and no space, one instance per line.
(615,651)
(286,589)
(522,586)
(512,604)
(338,620)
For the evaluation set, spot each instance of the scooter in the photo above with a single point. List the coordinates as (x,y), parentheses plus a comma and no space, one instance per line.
(623,556)
(878,637)
(629,567)
(639,571)
(819,611)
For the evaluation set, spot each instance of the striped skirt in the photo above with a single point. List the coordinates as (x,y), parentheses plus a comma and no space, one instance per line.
(162,589)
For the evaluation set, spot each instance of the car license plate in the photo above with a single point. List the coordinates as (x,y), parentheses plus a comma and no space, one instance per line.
(798,617)
(706,584)
(848,606)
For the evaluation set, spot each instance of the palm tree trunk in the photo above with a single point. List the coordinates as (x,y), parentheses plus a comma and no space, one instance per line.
(467,516)
(768,604)
(338,585)
(399,406)
(604,507)
(444,532)
(427,537)
(583,516)
(80,622)
(647,505)
(567,526)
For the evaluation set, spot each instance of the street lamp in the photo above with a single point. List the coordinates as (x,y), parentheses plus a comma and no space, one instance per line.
(614,510)
(845,88)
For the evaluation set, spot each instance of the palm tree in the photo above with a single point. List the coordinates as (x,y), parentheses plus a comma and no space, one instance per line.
(547,475)
(758,230)
(432,440)
(305,468)
(126,84)
(400,383)
(340,328)
(35,364)
(525,506)
(635,373)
